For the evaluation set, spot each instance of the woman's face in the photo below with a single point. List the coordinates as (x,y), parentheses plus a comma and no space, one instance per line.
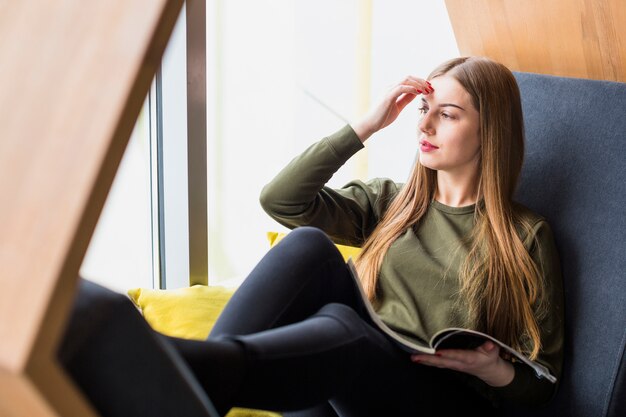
(448,131)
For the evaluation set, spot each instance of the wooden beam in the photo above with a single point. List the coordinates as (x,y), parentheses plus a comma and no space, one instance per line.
(197,143)
(572,38)
(73,77)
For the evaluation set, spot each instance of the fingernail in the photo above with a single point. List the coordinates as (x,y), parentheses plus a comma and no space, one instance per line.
(438,354)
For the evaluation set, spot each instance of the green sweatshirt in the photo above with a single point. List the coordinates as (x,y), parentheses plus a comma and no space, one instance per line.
(418,281)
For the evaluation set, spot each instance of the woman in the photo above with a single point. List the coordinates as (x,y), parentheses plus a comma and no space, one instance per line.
(447,249)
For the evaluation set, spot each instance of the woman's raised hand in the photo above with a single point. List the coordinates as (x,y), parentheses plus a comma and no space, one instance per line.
(390,107)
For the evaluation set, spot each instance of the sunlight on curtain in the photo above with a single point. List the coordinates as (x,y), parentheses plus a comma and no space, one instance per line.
(283,74)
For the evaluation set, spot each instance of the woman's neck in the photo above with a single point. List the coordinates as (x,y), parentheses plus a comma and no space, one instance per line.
(456,190)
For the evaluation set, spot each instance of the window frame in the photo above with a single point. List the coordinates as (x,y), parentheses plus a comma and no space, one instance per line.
(177,101)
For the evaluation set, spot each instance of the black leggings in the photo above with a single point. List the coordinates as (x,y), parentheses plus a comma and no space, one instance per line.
(307,341)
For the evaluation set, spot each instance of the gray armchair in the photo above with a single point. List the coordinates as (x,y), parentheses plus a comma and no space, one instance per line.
(574,175)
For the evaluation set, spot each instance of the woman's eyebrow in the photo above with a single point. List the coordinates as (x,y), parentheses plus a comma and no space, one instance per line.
(444,104)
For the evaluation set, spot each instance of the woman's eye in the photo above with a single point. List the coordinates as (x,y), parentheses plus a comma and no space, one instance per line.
(444,115)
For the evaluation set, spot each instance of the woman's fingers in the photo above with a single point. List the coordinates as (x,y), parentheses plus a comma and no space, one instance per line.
(439,361)
(398,90)
(472,360)
(404,100)
(423,85)
(390,107)
(410,86)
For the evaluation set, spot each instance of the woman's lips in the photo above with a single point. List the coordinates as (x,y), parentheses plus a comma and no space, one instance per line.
(426,146)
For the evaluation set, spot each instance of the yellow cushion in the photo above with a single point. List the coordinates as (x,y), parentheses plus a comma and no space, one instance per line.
(245,412)
(188,313)
(346,251)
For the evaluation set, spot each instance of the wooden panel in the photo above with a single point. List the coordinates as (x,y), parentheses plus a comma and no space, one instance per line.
(73,77)
(573,38)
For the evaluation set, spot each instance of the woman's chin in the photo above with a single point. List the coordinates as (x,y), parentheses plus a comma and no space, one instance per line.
(427,162)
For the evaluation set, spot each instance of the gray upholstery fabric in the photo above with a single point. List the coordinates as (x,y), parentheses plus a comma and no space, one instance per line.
(575,175)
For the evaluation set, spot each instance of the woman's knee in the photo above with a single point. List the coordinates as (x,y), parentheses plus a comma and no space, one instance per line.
(308,233)
(312,243)
(343,314)
(377,345)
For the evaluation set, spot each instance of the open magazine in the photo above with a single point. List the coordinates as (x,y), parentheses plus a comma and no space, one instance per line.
(449,338)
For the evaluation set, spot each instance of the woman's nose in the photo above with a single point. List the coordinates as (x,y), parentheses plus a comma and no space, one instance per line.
(424,126)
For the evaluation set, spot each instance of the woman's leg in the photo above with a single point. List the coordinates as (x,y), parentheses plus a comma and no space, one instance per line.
(303,364)
(304,272)
(294,335)
(335,356)
(292,282)
(295,366)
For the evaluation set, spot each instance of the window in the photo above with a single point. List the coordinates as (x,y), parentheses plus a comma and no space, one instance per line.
(280,75)
(120,252)
(283,74)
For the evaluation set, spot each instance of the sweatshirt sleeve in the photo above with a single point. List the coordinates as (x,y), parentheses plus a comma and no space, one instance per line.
(526,388)
(297,196)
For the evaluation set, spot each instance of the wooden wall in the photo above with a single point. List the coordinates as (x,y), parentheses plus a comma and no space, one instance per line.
(73,77)
(573,38)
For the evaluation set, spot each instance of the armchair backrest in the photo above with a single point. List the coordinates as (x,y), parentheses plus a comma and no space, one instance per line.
(575,175)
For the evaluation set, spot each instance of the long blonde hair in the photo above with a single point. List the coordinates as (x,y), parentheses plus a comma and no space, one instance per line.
(500,284)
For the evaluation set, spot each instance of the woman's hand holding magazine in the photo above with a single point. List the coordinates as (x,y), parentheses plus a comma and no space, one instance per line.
(445,344)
